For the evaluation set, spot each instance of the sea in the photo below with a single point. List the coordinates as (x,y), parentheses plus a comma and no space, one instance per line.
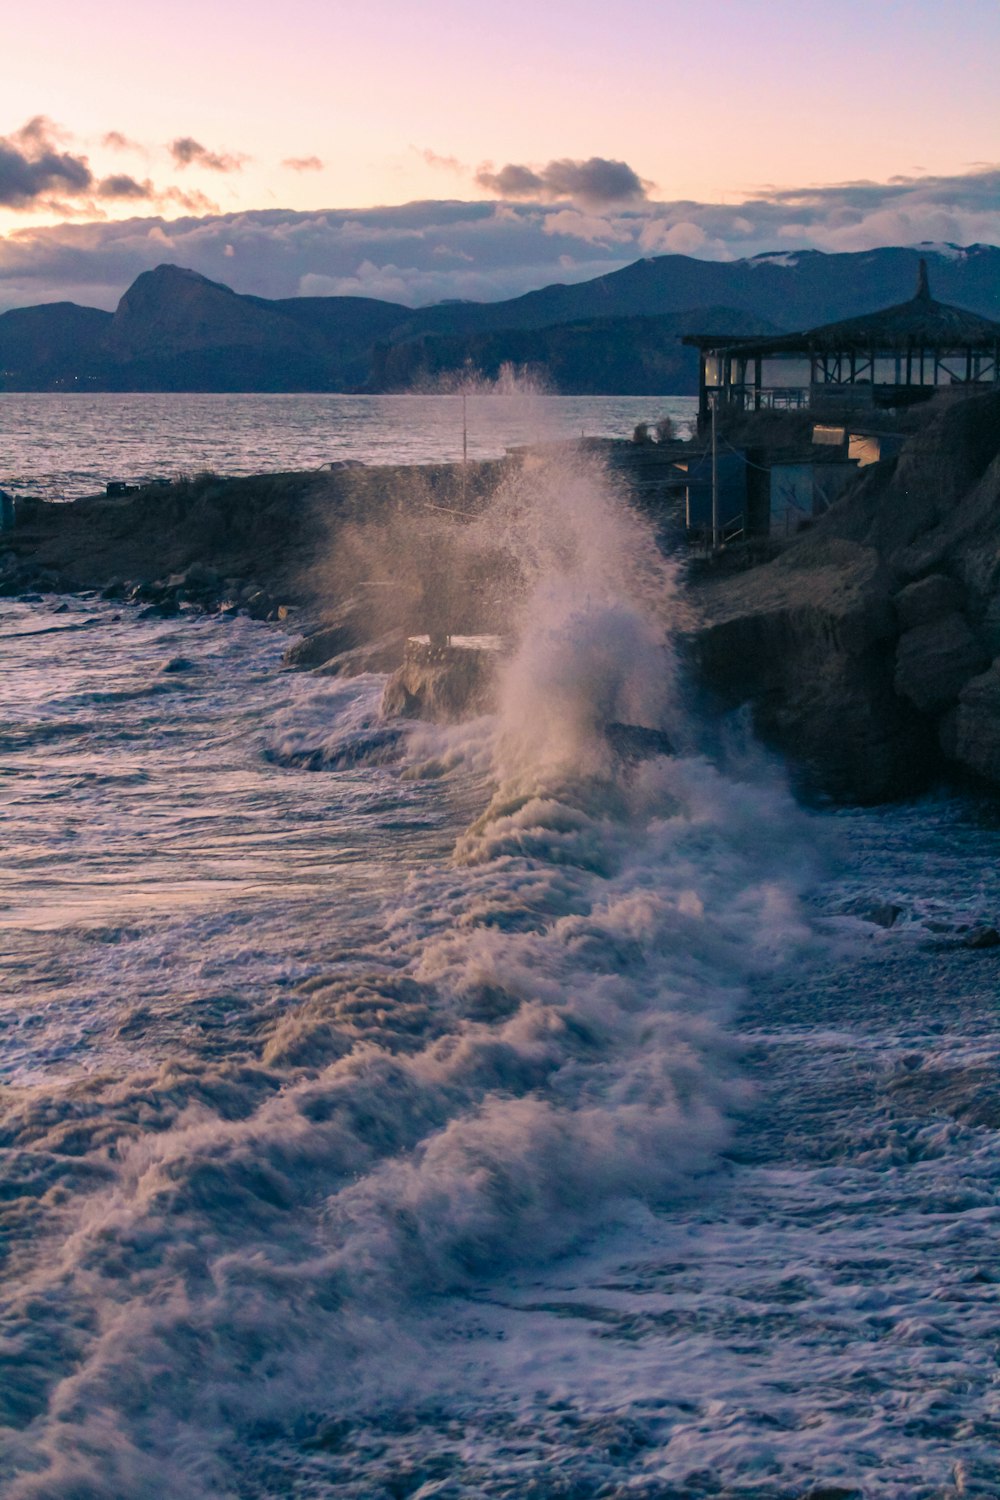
(496,1117)
(59,447)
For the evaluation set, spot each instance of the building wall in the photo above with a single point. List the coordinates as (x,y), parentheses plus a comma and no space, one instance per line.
(732,470)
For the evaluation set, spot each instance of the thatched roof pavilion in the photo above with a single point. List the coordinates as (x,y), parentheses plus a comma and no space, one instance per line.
(892,357)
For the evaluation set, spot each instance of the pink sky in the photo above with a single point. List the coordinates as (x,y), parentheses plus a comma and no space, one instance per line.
(271,147)
(707,100)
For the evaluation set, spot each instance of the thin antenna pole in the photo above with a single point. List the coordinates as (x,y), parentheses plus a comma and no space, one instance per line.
(715,474)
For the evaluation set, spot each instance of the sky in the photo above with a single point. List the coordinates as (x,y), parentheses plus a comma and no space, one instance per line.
(459,149)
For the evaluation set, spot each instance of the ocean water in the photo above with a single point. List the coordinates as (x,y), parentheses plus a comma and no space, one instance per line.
(491,1117)
(63,446)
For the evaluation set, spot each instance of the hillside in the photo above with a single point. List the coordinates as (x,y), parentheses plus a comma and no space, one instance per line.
(636,356)
(791,289)
(175,330)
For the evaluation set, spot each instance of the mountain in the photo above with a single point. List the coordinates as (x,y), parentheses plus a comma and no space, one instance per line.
(593,356)
(45,348)
(175,330)
(793,289)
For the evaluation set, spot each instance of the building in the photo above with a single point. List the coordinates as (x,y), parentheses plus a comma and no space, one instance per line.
(894,357)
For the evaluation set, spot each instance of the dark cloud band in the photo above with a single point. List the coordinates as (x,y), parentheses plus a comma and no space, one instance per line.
(596,183)
(32,167)
(187,152)
(424,252)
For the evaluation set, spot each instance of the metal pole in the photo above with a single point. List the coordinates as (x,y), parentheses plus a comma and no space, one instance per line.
(715,473)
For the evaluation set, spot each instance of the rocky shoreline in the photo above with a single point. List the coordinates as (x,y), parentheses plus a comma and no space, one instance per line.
(868,649)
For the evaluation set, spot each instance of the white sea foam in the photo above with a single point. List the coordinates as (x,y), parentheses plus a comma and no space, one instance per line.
(523,1047)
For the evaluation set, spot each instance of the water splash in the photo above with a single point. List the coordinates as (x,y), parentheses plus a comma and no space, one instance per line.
(528,1047)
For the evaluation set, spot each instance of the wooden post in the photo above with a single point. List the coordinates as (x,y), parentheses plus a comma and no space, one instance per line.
(715,473)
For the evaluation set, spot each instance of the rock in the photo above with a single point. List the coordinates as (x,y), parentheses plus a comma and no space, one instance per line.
(149,591)
(970,734)
(198,578)
(442,683)
(258,604)
(322,645)
(885,914)
(383,655)
(807,641)
(936,660)
(982,937)
(927,600)
(165,610)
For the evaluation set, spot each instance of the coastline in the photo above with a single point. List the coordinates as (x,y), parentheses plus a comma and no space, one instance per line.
(866,649)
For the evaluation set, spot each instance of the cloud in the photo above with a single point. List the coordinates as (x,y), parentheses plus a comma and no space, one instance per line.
(121,185)
(114,140)
(423,252)
(574,225)
(187,152)
(41,133)
(303,163)
(36,173)
(683,238)
(595,183)
(441,163)
(33,169)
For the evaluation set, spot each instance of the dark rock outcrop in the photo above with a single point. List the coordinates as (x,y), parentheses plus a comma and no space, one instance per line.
(936,660)
(865,647)
(323,644)
(442,683)
(970,734)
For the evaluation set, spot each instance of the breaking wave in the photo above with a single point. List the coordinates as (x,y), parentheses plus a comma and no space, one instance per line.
(527,1045)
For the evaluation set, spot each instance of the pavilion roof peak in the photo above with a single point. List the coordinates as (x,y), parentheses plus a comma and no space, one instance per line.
(923,292)
(920,322)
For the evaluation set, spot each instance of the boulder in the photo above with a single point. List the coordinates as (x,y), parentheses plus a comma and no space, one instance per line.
(935,661)
(807,641)
(982,937)
(442,683)
(166,610)
(383,655)
(926,600)
(971,733)
(322,645)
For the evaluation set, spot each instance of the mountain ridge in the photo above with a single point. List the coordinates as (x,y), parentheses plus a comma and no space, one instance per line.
(176,330)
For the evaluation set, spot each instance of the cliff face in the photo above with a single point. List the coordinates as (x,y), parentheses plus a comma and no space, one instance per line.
(870,649)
